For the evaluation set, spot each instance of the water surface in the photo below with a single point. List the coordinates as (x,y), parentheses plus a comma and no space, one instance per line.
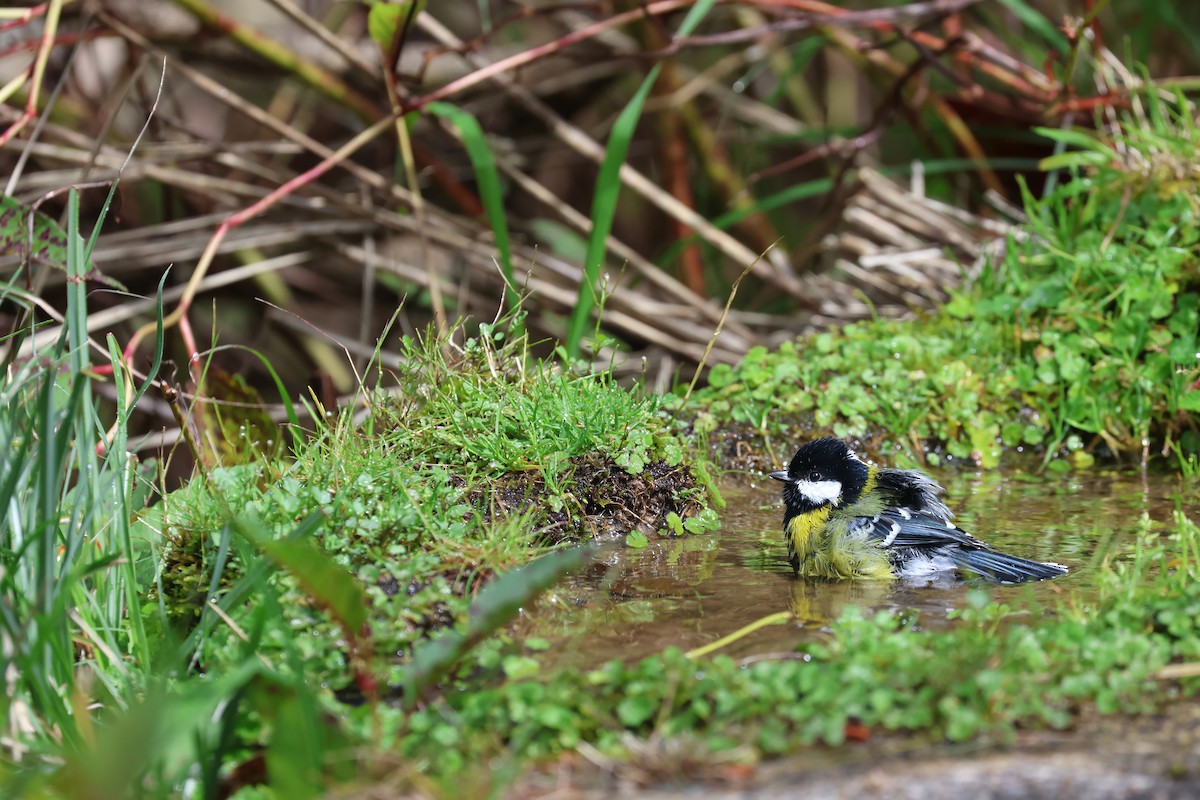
(690,591)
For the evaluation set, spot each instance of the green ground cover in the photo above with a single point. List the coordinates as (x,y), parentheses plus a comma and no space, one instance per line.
(1081,339)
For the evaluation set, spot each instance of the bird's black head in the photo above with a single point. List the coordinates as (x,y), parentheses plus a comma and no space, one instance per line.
(823,472)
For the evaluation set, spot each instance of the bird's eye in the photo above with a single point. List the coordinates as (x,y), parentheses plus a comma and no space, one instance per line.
(816,476)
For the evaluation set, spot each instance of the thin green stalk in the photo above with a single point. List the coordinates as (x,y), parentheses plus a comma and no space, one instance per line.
(608,191)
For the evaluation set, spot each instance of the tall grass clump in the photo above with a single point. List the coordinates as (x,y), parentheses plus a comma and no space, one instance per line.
(71,648)
(94,704)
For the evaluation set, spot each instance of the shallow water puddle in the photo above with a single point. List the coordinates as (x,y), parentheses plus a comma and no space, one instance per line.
(690,591)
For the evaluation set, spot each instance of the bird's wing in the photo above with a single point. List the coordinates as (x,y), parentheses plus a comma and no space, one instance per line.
(902,527)
(914,490)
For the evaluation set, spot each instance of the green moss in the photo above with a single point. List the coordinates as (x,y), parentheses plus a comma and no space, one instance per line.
(477,460)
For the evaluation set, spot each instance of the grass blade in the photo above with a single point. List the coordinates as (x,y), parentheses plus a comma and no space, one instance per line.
(608,190)
(490,192)
(499,602)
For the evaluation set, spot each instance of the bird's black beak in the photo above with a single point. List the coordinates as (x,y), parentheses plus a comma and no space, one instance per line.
(781,475)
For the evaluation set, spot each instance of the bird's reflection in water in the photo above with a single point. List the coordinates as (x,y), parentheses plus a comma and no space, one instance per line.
(818,601)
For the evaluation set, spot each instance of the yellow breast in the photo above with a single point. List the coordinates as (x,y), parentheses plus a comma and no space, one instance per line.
(803,533)
(821,550)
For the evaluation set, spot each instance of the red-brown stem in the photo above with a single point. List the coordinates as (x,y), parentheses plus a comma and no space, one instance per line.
(30,13)
(245,215)
(533,54)
(35,79)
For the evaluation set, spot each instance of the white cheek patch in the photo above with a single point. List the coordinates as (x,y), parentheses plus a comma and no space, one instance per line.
(819,492)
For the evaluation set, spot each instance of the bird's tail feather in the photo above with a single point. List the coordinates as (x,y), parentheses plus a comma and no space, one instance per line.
(1004,568)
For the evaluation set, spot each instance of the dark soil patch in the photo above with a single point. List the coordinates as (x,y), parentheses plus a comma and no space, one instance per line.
(739,447)
(601,499)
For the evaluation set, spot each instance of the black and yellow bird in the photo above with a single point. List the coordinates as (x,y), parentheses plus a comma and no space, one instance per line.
(845,518)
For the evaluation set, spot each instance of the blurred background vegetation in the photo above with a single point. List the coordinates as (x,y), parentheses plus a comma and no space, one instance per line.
(860,159)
